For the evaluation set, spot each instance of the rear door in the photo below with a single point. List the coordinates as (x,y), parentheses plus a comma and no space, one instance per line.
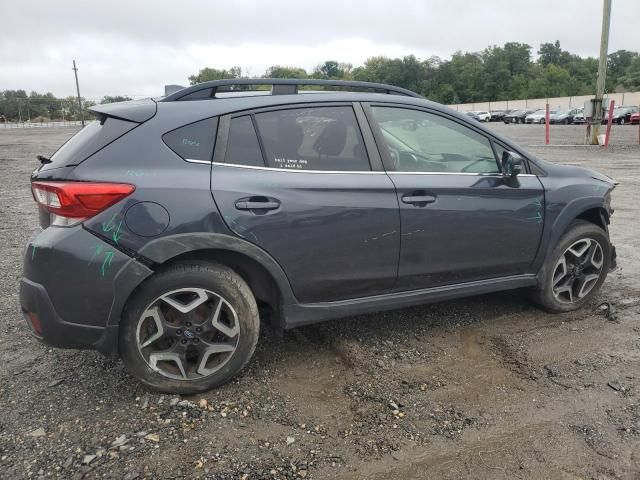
(460,220)
(306,184)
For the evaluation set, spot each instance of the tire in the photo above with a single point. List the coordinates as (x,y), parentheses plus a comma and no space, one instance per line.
(579,231)
(486,119)
(566,121)
(621,121)
(212,351)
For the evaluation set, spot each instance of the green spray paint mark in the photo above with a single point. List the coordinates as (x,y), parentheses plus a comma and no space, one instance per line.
(96,251)
(538,216)
(111,226)
(106,262)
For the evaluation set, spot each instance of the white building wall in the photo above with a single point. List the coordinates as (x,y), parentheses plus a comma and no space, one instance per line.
(626,98)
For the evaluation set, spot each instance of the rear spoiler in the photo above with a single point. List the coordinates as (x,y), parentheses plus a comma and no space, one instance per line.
(138,111)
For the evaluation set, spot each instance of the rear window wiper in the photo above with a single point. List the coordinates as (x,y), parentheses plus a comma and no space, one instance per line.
(43,160)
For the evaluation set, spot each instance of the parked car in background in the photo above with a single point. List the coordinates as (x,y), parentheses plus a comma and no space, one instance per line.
(497,115)
(170,229)
(634,118)
(517,116)
(473,115)
(578,118)
(537,116)
(621,115)
(483,116)
(563,116)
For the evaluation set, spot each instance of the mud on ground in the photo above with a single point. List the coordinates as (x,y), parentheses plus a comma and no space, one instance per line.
(485,387)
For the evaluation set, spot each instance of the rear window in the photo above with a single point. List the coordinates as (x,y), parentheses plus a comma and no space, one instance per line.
(88,141)
(194,141)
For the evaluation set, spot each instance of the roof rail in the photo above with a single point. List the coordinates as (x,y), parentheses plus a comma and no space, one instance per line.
(279,86)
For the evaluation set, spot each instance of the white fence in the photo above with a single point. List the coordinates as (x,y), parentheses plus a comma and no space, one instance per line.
(71,123)
(626,98)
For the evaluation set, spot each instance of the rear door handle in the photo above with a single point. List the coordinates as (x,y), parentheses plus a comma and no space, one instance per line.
(416,199)
(255,204)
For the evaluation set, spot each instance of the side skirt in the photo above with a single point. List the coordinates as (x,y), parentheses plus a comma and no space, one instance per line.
(297,315)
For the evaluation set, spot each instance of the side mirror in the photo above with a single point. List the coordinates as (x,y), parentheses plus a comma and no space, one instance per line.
(511,164)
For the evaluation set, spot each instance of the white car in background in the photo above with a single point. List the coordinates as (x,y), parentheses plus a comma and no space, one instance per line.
(538,116)
(483,115)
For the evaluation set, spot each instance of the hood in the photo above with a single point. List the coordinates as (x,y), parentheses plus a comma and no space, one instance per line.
(555,169)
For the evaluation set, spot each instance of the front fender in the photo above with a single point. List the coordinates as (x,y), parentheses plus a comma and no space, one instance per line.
(559,220)
(165,248)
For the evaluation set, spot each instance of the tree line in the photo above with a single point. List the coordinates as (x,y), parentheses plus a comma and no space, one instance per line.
(18,106)
(508,72)
(496,73)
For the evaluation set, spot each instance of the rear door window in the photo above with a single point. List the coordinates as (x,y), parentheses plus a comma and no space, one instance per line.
(313,138)
(243,147)
(193,141)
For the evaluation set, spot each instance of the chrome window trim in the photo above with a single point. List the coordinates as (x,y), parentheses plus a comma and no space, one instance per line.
(291,170)
(459,173)
(193,160)
(372,172)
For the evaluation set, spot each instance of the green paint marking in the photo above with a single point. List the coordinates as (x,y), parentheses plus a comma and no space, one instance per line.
(96,251)
(112,226)
(106,262)
(537,218)
(117,235)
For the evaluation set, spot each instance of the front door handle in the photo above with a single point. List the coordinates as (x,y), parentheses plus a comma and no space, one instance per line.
(418,199)
(254,203)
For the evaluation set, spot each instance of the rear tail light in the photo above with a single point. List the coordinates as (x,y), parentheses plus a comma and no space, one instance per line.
(70,203)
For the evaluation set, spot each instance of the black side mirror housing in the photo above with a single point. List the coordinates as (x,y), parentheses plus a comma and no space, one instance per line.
(511,164)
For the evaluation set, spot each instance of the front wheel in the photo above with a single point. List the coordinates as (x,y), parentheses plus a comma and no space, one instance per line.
(575,270)
(189,328)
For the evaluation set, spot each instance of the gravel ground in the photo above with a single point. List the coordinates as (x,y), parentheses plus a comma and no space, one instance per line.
(485,387)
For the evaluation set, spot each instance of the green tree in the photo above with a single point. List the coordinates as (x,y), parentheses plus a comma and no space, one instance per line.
(114,99)
(279,71)
(208,74)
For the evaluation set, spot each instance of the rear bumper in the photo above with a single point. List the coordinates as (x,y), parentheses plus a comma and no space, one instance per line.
(74,288)
(45,323)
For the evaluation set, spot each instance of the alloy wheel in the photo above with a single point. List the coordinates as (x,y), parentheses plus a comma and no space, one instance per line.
(188,334)
(577,270)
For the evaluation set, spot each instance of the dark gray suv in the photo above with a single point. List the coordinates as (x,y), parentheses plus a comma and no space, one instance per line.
(170,228)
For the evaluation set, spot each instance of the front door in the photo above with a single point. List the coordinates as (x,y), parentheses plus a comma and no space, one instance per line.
(460,220)
(298,183)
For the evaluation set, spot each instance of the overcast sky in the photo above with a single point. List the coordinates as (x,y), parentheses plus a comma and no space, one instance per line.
(134,48)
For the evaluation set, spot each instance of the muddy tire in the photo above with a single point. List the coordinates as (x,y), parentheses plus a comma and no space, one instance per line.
(189,328)
(575,270)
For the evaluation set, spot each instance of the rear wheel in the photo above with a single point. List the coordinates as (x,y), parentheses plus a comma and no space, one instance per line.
(575,270)
(189,328)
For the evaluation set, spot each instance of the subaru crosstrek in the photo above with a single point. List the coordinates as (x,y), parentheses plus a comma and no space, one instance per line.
(170,228)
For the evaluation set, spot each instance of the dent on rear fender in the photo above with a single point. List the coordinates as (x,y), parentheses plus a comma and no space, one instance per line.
(78,270)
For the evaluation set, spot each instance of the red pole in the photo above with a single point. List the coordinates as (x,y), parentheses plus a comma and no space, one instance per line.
(546,125)
(609,121)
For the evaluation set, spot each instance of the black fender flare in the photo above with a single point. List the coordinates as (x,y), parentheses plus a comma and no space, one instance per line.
(163,249)
(558,227)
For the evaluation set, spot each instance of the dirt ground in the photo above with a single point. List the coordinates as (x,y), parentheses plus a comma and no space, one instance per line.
(485,387)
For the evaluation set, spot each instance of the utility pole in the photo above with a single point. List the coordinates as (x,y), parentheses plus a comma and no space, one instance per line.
(602,72)
(75,71)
